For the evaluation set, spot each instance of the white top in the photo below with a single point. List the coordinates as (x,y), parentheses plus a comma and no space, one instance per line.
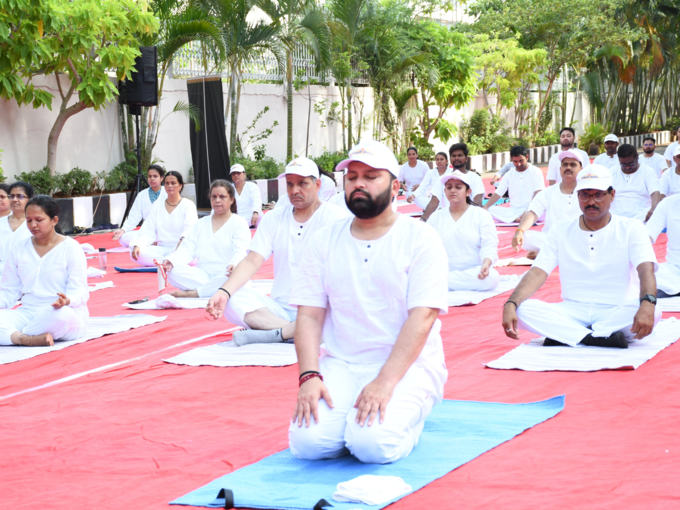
(521,186)
(469,240)
(368,288)
(249,201)
(596,267)
(476,186)
(668,153)
(413,176)
(430,182)
(325,193)
(657,162)
(554,165)
(280,235)
(607,162)
(633,192)
(214,251)
(667,216)
(506,168)
(8,237)
(37,280)
(556,206)
(670,182)
(164,228)
(141,208)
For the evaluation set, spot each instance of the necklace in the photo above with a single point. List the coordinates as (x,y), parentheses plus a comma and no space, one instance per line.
(586,225)
(172,205)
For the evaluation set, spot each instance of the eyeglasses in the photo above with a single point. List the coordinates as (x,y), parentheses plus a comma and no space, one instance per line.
(628,165)
(18,197)
(583,196)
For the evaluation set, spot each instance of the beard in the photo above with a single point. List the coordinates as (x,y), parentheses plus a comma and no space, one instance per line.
(368,207)
(648,150)
(566,145)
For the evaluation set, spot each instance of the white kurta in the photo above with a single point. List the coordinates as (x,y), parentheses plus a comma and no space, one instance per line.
(668,153)
(37,281)
(413,176)
(667,216)
(429,184)
(657,162)
(140,210)
(249,201)
(367,289)
(670,182)
(521,187)
(607,162)
(325,193)
(555,206)
(633,192)
(554,165)
(8,237)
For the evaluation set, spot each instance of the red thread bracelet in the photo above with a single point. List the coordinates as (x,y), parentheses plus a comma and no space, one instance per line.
(308,377)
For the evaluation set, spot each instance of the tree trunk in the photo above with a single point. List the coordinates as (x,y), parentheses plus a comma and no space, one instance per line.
(289,92)
(234,112)
(53,139)
(309,113)
(132,142)
(123,129)
(349,113)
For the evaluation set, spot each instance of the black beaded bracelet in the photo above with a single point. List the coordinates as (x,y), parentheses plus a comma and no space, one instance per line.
(508,301)
(308,372)
(225,290)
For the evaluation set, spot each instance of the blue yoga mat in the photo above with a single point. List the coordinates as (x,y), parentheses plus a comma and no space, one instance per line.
(456,432)
(136,270)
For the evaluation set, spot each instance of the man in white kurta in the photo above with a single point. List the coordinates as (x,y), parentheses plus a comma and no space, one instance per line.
(603,303)
(609,159)
(521,183)
(637,187)
(670,180)
(670,150)
(667,216)
(650,158)
(370,289)
(567,140)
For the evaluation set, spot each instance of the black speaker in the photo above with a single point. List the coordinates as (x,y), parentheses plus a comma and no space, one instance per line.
(141,88)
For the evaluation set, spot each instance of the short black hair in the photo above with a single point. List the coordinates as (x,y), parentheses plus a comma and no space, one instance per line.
(649,137)
(519,150)
(176,175)
(570,129)
(28,189)
(626,150)
(411,149)
(158,168)
(459,147)
(4,187)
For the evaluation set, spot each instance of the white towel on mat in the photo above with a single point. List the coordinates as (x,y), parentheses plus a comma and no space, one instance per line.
(371,490)
(472,297)
(671,304)
(226,354)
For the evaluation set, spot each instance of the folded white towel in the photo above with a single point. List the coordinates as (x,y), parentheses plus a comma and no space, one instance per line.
(371,490)
(88,248)
(93,272)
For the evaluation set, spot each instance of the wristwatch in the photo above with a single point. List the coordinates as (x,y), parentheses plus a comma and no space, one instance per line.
(648,297)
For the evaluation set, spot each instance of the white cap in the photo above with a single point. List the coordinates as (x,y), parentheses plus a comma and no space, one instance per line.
(676,152)
(594,177)
(237,168)
(301,166)
(611,138)
(374,154)
(458,175)
(570,154)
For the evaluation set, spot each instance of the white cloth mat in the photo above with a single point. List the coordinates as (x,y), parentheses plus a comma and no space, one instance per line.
(536,358)
(226,354)
(671,304)
(100,286)
(471,297)
(118,249)
(97,327)
(371,490)
(519,261)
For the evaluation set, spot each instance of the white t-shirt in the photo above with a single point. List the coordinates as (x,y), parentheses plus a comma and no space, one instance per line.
(668,153)
(657,162)
(141,208)
(430,182)
(667,215)
(476,186)
(670,182)
(368,288)
(469,240)
(595,267)
(280,235)
(166,228)
(556,206)
(521,186)
(8,237)
(249,201)
(607,162)
(554,165)
(413,176)
(633,192)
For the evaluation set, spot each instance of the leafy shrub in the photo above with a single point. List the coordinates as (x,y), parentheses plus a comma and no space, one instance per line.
(672,124)
(2,175)
(121,177)
(547,138)
(485,133)
(41,180)
(266,168)
(77,182)
(329,160)
(594,133)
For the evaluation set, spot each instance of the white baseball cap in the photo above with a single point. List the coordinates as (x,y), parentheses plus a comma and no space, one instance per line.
(237,168)
(611,138)
(303,167)
(570,154)
(374,154)
(676,152)
(594,177)
(458,175)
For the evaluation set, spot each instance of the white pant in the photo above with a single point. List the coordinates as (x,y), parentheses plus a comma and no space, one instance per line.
(668,278)
(533,240)
(128,238)
(506,214)
(570,322)
(247,300)
(63,324)
(194,278)
(147,255)
(467,279)
(337,431)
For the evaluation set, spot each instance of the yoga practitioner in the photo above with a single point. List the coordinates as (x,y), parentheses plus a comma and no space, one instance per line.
(610,158)
(522,184)
(370,289)
(412,173)
(596,254)
(651,158)
(283,233)
(667,216)
(567,140)
(556,203)
(248,198)
(141,208)
(423,194)
(670,180)
(670,150)
(13,228)
(636,185)
(166,226)
(500,173)
(48,272)
(469,236)
(458,153)
(217,243)
(5,209)
(326,192)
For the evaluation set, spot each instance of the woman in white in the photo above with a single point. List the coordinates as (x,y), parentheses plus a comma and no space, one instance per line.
(248,198)
(48,272)
(13,227)
(142,206)
(412,173)
(217,243)
(670,179)
(166,226)
(469,236)
(424,193)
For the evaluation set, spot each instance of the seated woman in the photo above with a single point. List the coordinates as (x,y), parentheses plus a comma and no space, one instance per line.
(166,226)
(217,242)
(469,236)
(13,226)
(142,206)
(48,272)
(412,173)
(423,194)
(248,198)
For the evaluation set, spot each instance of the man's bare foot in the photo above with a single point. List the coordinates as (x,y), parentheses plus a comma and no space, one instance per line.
(532,254)
(44,340)
(184,293)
